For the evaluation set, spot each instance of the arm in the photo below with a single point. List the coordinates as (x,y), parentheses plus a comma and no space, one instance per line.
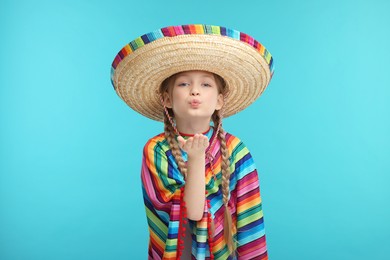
(194,194)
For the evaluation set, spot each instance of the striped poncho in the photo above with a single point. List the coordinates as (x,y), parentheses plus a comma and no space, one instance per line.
(162,185)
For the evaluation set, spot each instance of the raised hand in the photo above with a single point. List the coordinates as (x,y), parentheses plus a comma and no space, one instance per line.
(194,146)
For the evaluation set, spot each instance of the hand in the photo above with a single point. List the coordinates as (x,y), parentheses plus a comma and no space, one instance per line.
(195,145)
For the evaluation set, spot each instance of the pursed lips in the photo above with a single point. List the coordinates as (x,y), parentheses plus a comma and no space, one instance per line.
(194,102)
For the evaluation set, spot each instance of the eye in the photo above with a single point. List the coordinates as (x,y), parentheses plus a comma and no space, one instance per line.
(206,84)
(182,84)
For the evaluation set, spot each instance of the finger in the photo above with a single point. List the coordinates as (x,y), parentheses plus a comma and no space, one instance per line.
(202,139)
(196,140)
(189,142)
(205,141)
(182,141)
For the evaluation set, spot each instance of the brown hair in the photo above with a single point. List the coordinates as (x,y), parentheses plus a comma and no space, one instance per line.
(225,165)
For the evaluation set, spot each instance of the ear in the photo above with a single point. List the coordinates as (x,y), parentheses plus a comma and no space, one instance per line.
(220,102)
(167,100)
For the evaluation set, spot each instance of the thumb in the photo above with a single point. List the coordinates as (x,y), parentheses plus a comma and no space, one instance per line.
(182,141)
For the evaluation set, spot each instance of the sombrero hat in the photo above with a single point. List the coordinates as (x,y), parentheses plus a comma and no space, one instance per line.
(142,65)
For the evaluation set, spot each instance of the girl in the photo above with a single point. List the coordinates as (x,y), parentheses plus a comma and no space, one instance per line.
(200,184)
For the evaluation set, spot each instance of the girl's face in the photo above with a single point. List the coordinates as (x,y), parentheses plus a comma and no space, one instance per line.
(194,94)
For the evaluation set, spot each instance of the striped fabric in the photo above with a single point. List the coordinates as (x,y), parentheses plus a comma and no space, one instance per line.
(172,31)
(161,183)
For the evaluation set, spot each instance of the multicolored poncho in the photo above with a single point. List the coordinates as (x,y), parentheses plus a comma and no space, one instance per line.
(162,185)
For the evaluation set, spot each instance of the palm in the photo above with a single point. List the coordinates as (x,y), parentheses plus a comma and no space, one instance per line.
(195,145)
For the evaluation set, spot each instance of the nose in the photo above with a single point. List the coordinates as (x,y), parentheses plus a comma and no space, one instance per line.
(195,91)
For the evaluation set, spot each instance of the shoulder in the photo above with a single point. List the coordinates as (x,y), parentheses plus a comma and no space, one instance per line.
(233,142)
(157,142)
(237,148)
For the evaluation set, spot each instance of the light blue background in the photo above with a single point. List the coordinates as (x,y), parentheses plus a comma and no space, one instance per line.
(71,149)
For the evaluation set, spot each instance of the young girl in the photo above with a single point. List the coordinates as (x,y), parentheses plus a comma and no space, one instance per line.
(200,184)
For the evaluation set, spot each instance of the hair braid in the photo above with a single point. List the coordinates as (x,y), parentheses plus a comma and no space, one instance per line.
(225,168)
(169,134)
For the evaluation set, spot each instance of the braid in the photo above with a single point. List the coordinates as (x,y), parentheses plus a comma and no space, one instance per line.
(225,168)
(169,134)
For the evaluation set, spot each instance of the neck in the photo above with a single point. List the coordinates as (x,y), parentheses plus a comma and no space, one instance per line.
(193,127)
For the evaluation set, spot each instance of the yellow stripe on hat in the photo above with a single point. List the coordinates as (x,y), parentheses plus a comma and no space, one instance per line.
(127,50)
(199,29)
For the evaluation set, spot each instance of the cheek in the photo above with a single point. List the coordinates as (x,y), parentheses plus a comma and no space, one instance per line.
(177,97)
